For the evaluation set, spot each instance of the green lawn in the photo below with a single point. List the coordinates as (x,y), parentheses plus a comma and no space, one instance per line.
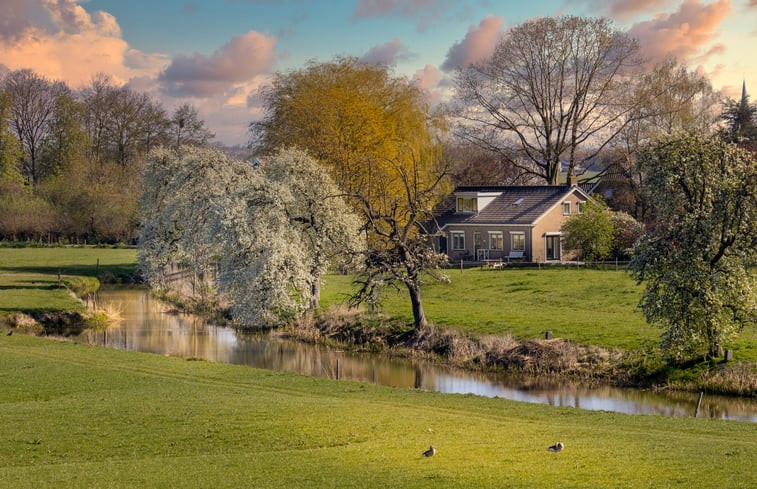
(29,276)
(89,261)
(78,416)
(597,307)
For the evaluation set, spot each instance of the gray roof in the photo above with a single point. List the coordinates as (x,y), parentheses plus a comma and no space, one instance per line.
(503,210)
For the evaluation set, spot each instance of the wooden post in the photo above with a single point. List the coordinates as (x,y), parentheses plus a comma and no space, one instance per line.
(699,403)
(728,355)
(337,369)
(548,335)
(461,265)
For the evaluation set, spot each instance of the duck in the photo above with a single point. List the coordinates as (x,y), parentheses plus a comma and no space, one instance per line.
(557,447)
(430,452)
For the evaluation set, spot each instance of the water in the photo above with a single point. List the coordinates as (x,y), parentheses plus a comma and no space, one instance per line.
(150,326)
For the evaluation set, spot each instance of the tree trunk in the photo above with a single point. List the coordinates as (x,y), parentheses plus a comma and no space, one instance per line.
(315,293)
(419,317)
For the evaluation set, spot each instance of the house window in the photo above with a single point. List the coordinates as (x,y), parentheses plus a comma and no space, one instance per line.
(458,240)
(566,208)
(467,204)
(495,240)
(477,240)
(581,207)
(518,241)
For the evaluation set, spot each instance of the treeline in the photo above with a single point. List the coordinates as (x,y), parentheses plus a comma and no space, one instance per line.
(71,161)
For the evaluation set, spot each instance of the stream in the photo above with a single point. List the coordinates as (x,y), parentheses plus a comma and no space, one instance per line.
(148,325)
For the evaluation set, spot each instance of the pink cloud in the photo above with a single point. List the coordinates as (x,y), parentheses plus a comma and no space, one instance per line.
(681,34)
(62,41)
(478,44)
(385,54)
(626,9)
(241,59)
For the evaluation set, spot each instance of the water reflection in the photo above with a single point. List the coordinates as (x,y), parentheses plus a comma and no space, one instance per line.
(148,326)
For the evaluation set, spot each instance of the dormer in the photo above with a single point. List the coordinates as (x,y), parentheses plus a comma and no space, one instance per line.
(472,201)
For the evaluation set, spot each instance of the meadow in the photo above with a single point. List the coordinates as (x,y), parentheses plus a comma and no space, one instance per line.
(587,306)
(80,416)
(29,276)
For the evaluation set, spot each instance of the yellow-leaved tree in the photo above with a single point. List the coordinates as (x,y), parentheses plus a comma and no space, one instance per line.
(379,139)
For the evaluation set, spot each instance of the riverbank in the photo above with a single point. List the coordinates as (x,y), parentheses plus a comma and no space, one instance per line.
(555,358)
(52,290)
(486,320)
(95,417)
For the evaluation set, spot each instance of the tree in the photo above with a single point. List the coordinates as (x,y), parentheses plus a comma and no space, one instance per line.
(591,232)
(741,119)
(269,234)
(33,102)
(669,99)
(695,261)
(553,91)
(186,127)
(375,134)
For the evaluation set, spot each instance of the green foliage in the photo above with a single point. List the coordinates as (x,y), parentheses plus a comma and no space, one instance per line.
(695,261)
(591,232)
(138,420)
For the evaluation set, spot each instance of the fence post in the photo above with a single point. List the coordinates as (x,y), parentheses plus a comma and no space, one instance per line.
(699,403)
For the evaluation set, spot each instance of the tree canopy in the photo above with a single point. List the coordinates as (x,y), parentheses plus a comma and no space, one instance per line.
(376,135)
(553,91)
(696,261)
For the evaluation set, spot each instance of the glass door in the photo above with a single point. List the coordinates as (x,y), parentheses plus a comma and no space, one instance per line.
(553,248)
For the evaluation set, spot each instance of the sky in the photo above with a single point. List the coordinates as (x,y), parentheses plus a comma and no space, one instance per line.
(217,54)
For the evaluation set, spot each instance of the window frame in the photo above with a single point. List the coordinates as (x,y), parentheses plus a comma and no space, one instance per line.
(500,235)
(519,234)
(566,210)
(454,236)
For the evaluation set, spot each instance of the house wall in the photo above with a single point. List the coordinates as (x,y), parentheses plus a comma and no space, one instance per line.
(470,252)
(551,223)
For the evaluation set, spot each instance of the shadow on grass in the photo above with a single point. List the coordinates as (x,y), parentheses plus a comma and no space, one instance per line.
(125,272)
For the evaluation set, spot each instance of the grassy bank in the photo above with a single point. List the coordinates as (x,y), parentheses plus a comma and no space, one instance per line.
(46,282)
(78,416)
(592,307)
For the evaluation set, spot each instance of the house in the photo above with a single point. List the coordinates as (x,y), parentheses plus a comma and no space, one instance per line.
(506,222)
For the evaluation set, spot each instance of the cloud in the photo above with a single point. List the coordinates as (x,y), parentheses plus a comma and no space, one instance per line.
(62,41)
(241,59)
(681,34)
(477,45)
(432,82)
(386,54)
(625,9)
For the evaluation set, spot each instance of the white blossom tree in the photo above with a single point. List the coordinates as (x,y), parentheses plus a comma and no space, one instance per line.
(697,261)
(269,233)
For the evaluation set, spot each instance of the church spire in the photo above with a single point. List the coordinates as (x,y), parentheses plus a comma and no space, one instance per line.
(743,93)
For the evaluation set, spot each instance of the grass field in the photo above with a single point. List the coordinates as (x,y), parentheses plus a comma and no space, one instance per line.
(78,416)
(29,276)
(597,307)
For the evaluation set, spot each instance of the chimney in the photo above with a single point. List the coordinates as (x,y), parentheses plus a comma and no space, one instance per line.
(572,180)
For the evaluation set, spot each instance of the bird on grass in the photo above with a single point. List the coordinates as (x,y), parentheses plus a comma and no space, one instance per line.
(430,452)
(10,333)
(557,447)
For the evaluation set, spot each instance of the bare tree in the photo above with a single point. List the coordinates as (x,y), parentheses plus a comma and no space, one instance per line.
(186,127)
(551,92)
(33,103)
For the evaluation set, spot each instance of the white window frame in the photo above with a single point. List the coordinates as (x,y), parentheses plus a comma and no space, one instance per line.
(566,208)
(492,234)
(457,235)
(512,240)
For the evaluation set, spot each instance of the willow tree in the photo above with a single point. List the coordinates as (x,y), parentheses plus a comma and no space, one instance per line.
(551,92)
(375,134)
(697,260)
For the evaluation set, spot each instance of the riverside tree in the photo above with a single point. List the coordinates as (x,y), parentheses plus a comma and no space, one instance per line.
(697,260)
(374,132)
(261,238)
